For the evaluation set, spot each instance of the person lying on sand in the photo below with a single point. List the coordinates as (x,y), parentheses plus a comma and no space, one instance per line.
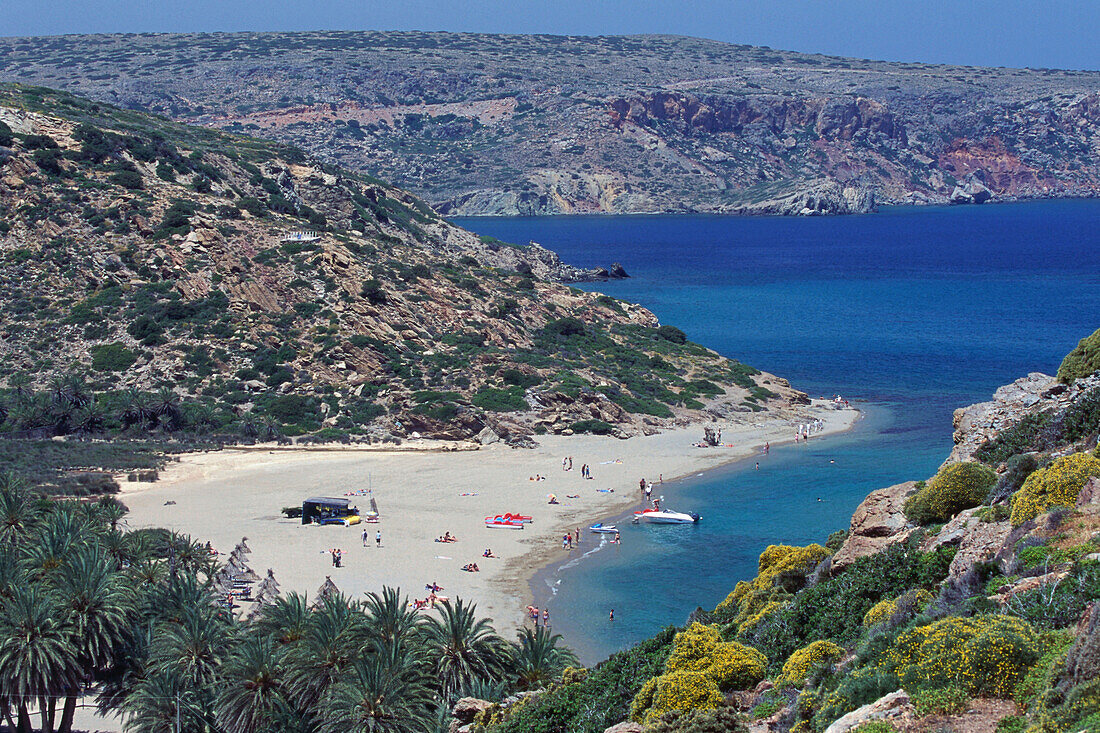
(488,553)
(471,568)
(553,500)
(433,587)
(572,496)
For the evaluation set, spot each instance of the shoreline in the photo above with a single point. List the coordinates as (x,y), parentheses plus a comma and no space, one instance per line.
(563,560)
(424,490)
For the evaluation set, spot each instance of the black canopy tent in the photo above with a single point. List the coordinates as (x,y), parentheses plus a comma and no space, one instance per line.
(324,507)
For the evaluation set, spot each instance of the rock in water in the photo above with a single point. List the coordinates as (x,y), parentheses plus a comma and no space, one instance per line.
(971,191)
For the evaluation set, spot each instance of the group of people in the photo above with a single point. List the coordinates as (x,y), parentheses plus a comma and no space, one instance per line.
(533,613)
(471,568)
(446,537)
(488,553)
(803,430)
(377,538)
(337,557)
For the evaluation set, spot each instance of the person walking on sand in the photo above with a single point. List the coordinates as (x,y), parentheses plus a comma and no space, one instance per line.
(378,538)
(564,463)
(648,491)
(364,537)
(570,464)
(641,485)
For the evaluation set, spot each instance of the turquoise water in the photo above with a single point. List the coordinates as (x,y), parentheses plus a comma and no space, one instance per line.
(909,312)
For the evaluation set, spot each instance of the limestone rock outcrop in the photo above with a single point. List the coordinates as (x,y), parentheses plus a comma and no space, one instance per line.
(878,522)
(894,705)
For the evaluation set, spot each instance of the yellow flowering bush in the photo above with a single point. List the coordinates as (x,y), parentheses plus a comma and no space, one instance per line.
(887,607)
(982,655)
(954,488)
(674,691)
(804,661)
(732,666)
(699,667)
(1056,485)
(782,570)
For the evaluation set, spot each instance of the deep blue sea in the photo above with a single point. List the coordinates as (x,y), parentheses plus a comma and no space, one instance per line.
(909,312)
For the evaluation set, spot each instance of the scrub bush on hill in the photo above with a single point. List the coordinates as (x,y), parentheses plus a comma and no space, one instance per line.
(1083,360)
(983,655)
(675,691)
(804,662)
(834,609)
(1025,436)
(954,488)
(782,569)
(1056,485)
(601,700)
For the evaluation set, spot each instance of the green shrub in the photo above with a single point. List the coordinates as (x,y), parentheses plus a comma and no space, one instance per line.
(517,378)
(723,719)
(294,409)
(5,134)
(595,427)
(568,326)
(1083,360)
(956,487)
(131,180)
(500,400)
(49,160)
(672,334)
(1083,416)
(940,701)
(112,358)
(875,726)
(601,700)
(1025,436)
(373,292)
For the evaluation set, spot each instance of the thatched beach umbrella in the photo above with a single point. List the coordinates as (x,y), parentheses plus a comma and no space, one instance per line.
(328,588)
(268,586)
(243,547)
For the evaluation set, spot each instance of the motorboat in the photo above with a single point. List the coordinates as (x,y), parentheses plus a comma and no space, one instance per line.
(504,520)
(665,516)
(599,527)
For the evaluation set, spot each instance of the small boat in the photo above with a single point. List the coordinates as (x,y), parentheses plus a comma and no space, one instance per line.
(664,516)
(372,515)
(504,521)
(518,517)
(604,528)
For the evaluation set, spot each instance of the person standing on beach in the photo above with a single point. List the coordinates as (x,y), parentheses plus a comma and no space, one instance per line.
(641,485)
(546,618)
(612,617)
(378,538)
(364,536)
(570,464)
(564,463)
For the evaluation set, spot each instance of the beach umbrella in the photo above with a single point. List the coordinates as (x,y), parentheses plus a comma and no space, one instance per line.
(268,586)
(328,588)
(243,546)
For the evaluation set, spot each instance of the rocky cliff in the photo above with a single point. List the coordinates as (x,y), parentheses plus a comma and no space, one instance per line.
(529,125)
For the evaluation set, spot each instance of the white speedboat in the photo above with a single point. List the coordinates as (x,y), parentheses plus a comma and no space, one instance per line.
(665,516)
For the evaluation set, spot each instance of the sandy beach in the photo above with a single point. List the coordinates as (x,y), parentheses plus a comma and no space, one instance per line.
(427,490)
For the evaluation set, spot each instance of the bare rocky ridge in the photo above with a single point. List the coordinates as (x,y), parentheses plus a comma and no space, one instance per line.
(525,125)
(142,254)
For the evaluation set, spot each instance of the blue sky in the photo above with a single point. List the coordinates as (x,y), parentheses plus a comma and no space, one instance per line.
(1037,33)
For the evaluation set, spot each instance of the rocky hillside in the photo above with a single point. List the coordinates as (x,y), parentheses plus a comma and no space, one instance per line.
(493,124)
(966,602)
(175,280)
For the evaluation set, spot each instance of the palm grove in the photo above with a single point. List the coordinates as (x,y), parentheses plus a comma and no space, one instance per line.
(131,617)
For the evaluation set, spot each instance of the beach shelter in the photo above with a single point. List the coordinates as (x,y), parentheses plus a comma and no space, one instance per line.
(319,508)
(242,547)
(268,587)
(328,588)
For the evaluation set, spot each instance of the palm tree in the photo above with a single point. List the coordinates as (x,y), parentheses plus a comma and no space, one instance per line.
(385,692)
(253,694)
(58,537)
(166,406)
(164,702)
(90,418)
(111,510)
(285,620)
(18,510)
(95,604)
(463,648)
(336,636)
(537,658)
(137,409)
(391,619)
(37,655)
